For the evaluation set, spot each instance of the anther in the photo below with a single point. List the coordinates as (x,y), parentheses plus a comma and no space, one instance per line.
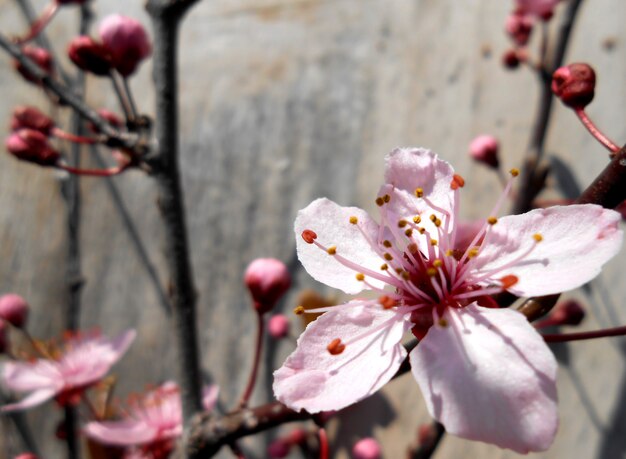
(437,222)
(387,256)
(433,218)
(331,250)
(387,302)
(419,192)
(457,182)
(471,253)
(379,201)
(402,223)
(409,232)
(437,263)
(387,243)
(309,236)
(298,310)
(449,252)
(336,347)
(417,219)
(354,220)
(431,272)
(537,237)
(386,198)
(384,267)
(442,322)
(421,229)
(405,275)
(492,220)
(433,242)
(514,172)
(412,248)
(360,277)
(509,281)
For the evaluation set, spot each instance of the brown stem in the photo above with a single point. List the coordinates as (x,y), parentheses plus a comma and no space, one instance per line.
(566,337)
(243,402)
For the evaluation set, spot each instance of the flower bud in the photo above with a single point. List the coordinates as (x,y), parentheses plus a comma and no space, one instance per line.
(39,56)
(90,56)
(366,448)
(574,84)
(519,27)
(31,145)
(13,309)
(127,40)
(268,280)
(32,118)
(511,59)
(568,312)
(278,326)
(540,8)
(484,149)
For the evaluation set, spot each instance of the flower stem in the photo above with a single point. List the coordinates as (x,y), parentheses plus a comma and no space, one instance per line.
(61,134)
(92,172)
(565,337)
(39,24)
(594,131)
(243,402)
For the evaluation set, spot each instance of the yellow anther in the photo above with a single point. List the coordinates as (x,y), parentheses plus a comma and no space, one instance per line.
(442,322)
(449,252)
(360,277)
(387,243)
(298,310)
(388,256)
(417,219)
(437,222)
(419,192)
(492,220)
(514,172)
(354,220)
(386,198)
(331,250)
(431,272)
(398,270)
(437,263)
(433,242)
(409,232)
(405,276)
(379,201)
(402,223)
(384,267)
(421,229)
(471,253)
(537,237)
(412,248)
(433,218)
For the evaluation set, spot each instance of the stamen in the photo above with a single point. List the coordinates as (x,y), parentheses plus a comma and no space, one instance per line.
(387,256)
(492,220)
(437,263)
(299,310)
(442,322)
(412,247)
(360,277)
(471,253)
(387,302)
(384,267)
(387,243)
(419,192)
(417,219)
(336,347)
(379,201)
(514,172)
(354,220)
(309,236)
(433,242)
(409,232)
(431,272)
(402,223)
(332,250)
(509,281)
(537,237)
(457,182)
(386,198)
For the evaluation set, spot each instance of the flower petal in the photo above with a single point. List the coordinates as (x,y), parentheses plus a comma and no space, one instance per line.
(209,396)
(489,376)
(33,399)
(126,432)
(576,241)
(28,376)
(313,379)
(331,223)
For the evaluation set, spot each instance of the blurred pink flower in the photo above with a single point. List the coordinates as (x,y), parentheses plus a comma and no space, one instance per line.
(151,423)
(83,362)
(486,374)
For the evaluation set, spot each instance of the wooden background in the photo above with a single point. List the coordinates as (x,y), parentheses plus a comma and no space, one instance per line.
(284,101)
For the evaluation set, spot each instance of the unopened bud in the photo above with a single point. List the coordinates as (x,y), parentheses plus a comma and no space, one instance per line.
(278,326)
(540,8)
(13,309)
(511,59)
(519,26)
(31,145)
(574,84)
(366,448)
(89,55)
(127,40)
(568,312)
(39,56)
(268,280)
(484,149)
(32,118)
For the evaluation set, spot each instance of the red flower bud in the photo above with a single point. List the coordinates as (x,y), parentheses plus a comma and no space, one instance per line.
(31,145)
(278,326)
(574,84)
(519,26)
(268,280)
(31,118)
(90,56)
(39,56)
(13,309)
(127,40)
(484,149)
(511,59)
(568,312)
(366,448)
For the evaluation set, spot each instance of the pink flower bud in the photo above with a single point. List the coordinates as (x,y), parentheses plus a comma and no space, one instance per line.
(574,84)
(90,56)
(26,456)
(4,338)
(568,312)
(541,8)
(31,145)
(519,27)
(32,118)
(39,56)
(13,309)
(268,280)
(278,449)
(484,149)
(278,326)
(127,40)
(511,59)
(366,448)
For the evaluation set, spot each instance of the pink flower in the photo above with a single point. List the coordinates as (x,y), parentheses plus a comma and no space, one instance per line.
(84,362)
(485,373)
(151,424)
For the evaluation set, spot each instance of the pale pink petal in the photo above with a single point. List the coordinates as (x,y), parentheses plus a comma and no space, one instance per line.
(465,233)
(28,376)
(209,396)
(576,241)
(489,376)
(331,223)
(313,379)
(33,399)
(126,432)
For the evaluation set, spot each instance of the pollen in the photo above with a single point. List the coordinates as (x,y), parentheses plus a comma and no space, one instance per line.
(387,256)
(360,277)
(332,250)
(402,223)
(457,182)
(437,263)
(417,219)
(514,172)
(387,302)
(354,220)
(509,281)
(384,267)
(431,272)
(492,220)
(309,236)
(537,237)
(336,347)
(298,310)
(387,243)
(419,192)
(379,201)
